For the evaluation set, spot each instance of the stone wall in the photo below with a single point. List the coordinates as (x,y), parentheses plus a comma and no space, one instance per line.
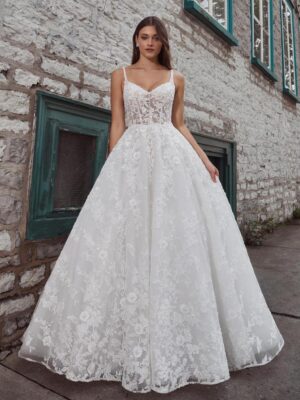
(70,48)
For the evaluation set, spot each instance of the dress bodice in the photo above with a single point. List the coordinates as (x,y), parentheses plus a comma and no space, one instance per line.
(147,107)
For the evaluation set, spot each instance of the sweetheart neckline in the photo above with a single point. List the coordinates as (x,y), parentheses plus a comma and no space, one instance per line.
(149,91)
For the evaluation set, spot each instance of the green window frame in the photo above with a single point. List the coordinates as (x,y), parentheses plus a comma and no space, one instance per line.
(288,50)
(56,115)
(207,14)
(222,153)
(262,22)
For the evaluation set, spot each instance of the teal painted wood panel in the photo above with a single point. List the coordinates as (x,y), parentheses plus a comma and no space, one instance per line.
(268,70)
(194,8)
(54,115)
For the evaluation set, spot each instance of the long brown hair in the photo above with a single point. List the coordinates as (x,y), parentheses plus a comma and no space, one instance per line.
(164,56)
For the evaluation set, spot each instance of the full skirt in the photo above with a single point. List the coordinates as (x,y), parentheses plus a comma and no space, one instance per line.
(154,286)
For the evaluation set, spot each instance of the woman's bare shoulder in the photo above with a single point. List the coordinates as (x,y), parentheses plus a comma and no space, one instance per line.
(121,69)
(178,79)
(117,76)
(178,75)
(117,72)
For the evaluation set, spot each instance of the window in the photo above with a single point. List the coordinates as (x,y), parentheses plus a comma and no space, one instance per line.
(217,14)
(70,149)
(262,47)
(222,153)
(216,9)
(289,65)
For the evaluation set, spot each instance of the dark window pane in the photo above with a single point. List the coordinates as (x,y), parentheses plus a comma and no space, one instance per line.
(256,8)
(257,40)
(265,16)
(218,11)
(286,72)
(288,42)
(292,72)
(266,48)
(286,47)
(73,180)
(204,4)
(216,8)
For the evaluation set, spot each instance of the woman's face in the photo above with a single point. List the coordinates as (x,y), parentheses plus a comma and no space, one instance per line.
(149,42)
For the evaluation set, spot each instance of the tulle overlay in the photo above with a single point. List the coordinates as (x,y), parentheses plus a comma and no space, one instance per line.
(154,286)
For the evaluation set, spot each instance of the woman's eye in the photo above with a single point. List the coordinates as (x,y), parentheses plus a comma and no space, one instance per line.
(145,38)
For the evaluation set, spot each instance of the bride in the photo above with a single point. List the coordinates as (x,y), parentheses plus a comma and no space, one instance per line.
(153,287)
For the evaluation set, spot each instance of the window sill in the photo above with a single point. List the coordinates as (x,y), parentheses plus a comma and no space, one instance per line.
(264,68)
(195,9)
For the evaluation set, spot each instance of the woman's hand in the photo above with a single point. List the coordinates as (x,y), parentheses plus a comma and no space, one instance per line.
(214,172)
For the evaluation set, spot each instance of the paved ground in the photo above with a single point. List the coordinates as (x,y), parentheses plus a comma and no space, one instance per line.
(277,267)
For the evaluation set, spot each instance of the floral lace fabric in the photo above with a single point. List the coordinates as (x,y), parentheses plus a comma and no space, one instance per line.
(153,287)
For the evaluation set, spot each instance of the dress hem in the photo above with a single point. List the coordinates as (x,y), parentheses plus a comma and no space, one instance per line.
(232,369)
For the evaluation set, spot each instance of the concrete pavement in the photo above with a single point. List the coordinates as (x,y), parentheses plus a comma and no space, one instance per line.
(277,267)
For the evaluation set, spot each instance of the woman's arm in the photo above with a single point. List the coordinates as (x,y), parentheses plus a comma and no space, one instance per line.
(117,126)
(178,122)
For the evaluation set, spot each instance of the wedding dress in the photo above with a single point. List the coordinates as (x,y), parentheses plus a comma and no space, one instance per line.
(153,287)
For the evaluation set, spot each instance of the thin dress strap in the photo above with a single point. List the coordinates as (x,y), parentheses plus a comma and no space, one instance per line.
(125,76)
(171,76)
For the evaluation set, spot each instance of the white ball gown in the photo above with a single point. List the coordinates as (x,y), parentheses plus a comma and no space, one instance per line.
(153,287)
